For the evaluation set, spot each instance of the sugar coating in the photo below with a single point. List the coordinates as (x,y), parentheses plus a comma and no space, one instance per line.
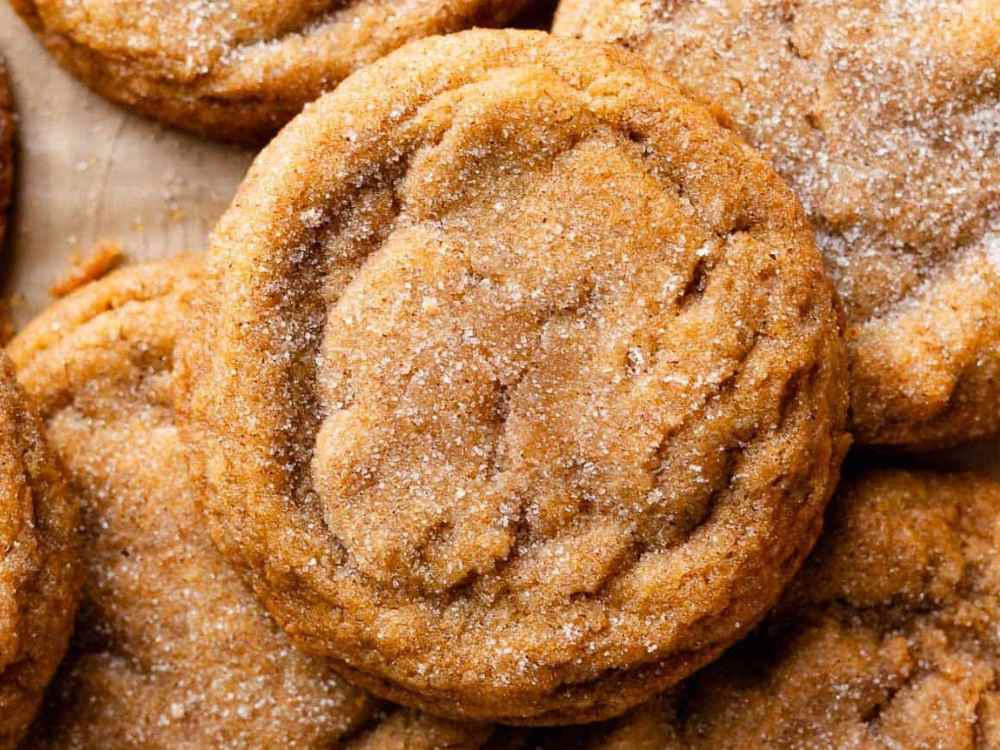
(171,650)
(39,567)
(6,149)
(519,388)
(236,69)
(885,118)
(887,639)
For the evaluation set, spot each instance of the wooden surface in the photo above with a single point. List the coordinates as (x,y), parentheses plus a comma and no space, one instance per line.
(88,171)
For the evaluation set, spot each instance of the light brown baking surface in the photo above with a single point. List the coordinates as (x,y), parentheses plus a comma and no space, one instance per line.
(171,650)
(7,127)
(887,639)
(239,69)
(39,567)
(884,118)
(622,311)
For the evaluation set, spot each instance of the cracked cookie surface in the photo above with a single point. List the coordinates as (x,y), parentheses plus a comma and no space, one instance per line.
(236,69)
(171,650)
(6,149)
(39,568)
(886,639)
(521,390)
(883,116)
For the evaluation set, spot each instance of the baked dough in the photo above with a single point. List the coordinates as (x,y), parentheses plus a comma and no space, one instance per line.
(887,639)
(518,387)
(39,567)
(882,115)
(171,650)
(236,70)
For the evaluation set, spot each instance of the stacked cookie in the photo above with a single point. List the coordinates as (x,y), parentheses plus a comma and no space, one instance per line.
(507,406)
(882,117)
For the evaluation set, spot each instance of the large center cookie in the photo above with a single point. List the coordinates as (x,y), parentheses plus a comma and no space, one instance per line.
(519,388)
(171,650)
(882,115)
(236,69)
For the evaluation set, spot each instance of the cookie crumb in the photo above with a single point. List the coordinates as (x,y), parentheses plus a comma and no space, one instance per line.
(102,259)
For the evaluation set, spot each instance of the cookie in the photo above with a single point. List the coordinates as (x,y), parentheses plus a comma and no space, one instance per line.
(882,116)
(236,70)
(39,568)
(396,728)
(6,149)
(519,390)
(171,650)
(887,639)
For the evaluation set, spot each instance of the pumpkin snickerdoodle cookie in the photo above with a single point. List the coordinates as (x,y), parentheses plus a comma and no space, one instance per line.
(171,650)
(887,638)
(39,570)
(6,149)
(883,117)
(236,69)
(519,389)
